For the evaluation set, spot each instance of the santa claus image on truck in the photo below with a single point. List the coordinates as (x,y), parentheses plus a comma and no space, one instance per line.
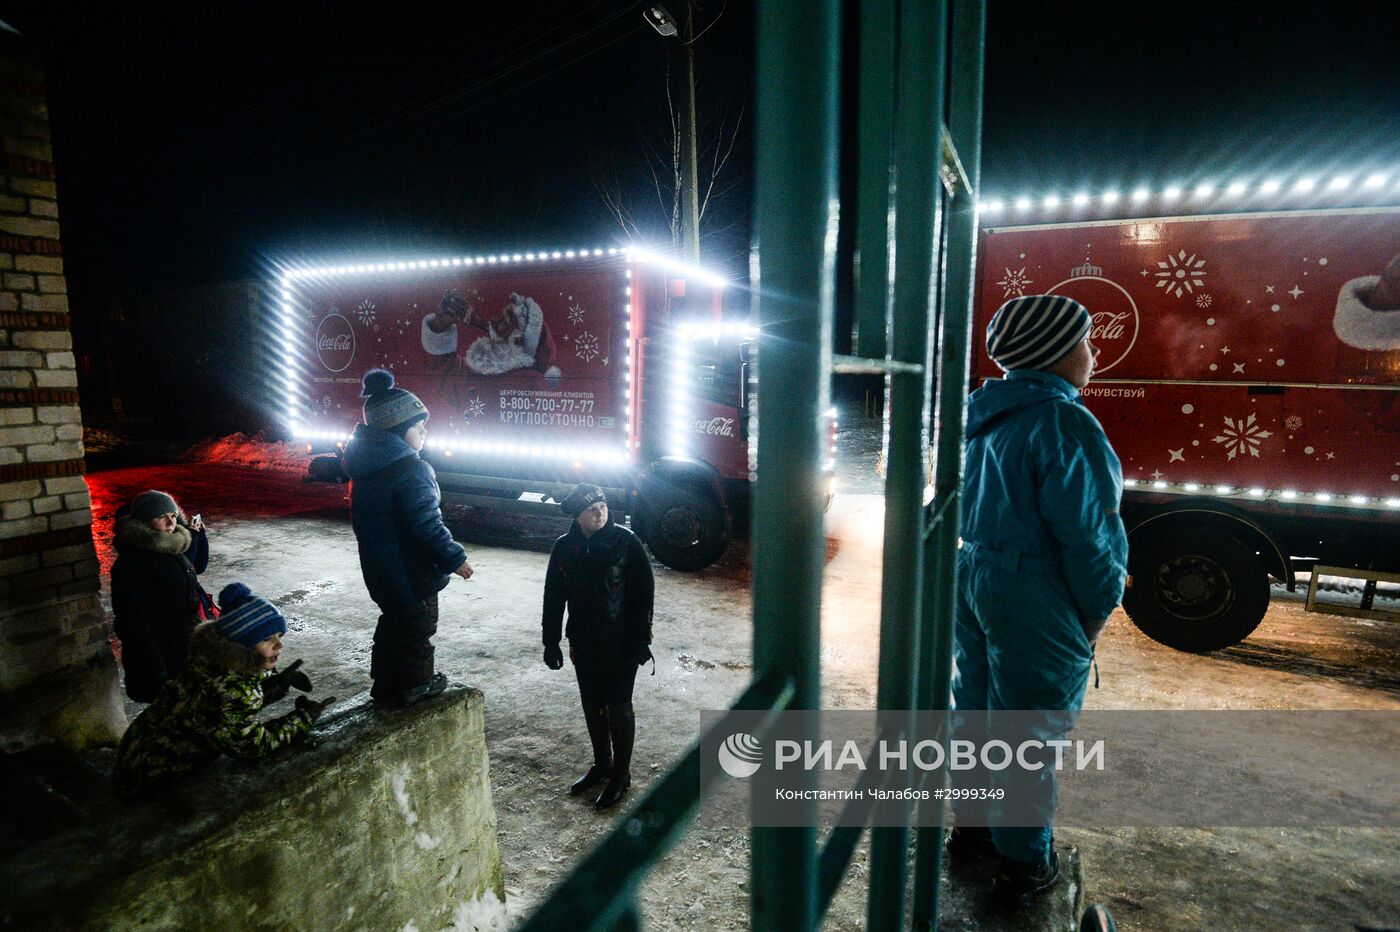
(517,338)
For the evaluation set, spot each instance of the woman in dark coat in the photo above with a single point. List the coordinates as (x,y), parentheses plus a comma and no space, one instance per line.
(156,596)
(407,554)
(600,571)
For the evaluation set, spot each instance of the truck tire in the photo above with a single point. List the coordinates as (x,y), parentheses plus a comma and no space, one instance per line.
(685,528)
(1196,589)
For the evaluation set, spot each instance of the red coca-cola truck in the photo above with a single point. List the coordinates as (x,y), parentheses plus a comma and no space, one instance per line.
(1250,388)
(541,370)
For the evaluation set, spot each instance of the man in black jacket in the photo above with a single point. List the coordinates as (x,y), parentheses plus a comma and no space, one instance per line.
(601,572)
(407,554)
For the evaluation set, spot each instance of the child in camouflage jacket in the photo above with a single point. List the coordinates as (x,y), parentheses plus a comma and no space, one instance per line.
(212,707)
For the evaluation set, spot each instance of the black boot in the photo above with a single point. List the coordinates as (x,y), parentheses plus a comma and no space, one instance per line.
(970,844)
(1018,881)
(597,722)
(622,726)
(402,698)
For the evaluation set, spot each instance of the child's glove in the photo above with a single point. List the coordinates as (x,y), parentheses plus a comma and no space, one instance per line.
(278,684)
(311,708)
(553,657)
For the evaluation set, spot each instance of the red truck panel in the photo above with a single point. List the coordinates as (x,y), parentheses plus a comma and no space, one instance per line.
(542,358)
(1236,350)
(548,363)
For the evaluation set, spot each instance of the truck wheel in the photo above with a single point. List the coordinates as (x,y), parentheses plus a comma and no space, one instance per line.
(684,529)
(1196,589)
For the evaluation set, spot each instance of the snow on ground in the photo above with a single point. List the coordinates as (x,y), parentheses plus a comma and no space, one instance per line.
(291,541)
(256,450)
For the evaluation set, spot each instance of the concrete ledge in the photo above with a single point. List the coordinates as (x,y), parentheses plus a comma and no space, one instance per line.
(386,822)
(968,905)
(77,706)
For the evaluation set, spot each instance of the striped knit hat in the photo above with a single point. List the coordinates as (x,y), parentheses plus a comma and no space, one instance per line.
(387,407)
(247,618)
(1035,331)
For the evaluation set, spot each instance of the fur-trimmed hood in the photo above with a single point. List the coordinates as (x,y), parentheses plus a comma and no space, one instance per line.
(133,532)
(210,650)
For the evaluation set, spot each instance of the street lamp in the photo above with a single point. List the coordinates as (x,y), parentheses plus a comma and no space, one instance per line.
(661,20)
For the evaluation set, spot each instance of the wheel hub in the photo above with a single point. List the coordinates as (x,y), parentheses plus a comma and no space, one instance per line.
(680,527)
(1194,588)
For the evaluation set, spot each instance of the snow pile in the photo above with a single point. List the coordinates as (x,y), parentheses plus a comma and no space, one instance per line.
(258,450)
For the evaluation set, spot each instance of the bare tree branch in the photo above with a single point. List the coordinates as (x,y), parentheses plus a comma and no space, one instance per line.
(658,161)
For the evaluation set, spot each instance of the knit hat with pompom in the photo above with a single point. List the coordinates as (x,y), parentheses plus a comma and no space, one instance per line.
(247,618)
(387,407)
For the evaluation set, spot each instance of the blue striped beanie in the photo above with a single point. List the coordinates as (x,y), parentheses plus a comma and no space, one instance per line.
(1035,331)
(247,618)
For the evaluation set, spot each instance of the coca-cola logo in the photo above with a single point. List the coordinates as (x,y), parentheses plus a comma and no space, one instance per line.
(1108,326)
(335,343)
(714,427)
(1113,318)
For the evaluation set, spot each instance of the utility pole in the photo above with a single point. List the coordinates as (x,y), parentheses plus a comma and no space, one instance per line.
(663,22)
(690,184)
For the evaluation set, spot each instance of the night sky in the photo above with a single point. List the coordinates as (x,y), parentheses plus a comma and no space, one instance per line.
(198,142)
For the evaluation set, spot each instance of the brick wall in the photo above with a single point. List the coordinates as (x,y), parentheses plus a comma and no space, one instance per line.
(50,617)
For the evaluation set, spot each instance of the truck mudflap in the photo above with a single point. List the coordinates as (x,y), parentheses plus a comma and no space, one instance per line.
(682,513)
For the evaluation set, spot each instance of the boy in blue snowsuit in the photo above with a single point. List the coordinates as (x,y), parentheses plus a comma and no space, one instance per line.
(1044,555)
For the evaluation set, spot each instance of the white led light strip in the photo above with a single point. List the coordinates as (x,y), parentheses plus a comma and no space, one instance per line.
(1375,183)
(570,452)
(1260,494)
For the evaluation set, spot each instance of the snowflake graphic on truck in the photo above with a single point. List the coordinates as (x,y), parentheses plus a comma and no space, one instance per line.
(576,313)
(1014,283)
(586,346)
(1181,273)
(1242,436)
(366,312)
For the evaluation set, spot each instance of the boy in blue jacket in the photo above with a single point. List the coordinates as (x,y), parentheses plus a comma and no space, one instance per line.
(1044,555)
(407,554)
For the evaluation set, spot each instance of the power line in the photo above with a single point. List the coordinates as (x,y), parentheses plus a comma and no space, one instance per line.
(534,80)
(505,56)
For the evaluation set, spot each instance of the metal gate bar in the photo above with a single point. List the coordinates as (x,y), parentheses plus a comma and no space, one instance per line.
(875,181)
(941,546)
(795,222)
(918,160)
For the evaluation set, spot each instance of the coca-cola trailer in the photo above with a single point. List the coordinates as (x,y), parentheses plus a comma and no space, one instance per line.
(1246,382)
(541,370)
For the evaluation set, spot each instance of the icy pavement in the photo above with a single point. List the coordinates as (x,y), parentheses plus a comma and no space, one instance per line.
(292,542)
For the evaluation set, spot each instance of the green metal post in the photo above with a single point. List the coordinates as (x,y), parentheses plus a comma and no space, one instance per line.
(940,556)
(873,219)
(795,227)
(918,157)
